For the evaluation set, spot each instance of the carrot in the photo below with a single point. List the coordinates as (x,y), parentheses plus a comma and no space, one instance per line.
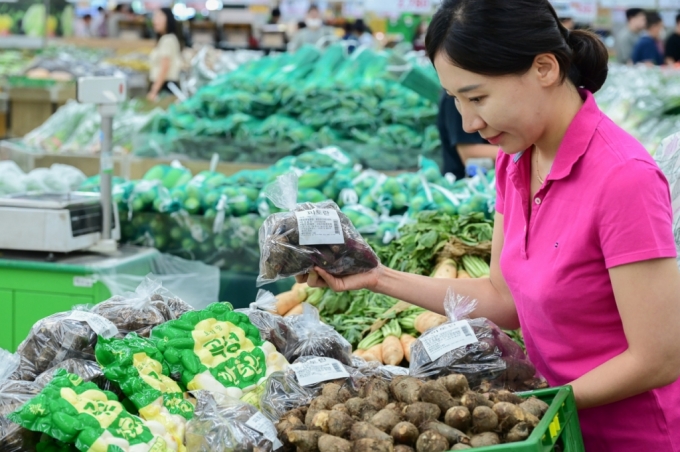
(297,310)
(392,351)
(288,300)
(374,354)
(462,274)
(406,341)
(445,269)
(428,320)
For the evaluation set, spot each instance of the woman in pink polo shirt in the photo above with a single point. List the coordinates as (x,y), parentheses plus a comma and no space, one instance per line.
(583,248)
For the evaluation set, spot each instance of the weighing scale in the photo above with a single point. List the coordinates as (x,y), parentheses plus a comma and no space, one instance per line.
(53,247)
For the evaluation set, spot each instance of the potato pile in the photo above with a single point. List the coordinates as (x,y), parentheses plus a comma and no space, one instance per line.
(409,415)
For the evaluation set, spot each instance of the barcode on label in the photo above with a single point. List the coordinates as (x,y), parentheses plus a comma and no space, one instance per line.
(446,338)
(317,370)
(337,367)
(336,225)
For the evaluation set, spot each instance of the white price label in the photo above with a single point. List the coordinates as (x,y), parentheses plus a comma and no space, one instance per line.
(99,324)
(447,337)
(261,424)
(83,281)
(319,227)
(317,370)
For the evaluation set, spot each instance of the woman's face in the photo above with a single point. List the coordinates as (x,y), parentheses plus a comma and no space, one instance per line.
(505,110)
(160,22)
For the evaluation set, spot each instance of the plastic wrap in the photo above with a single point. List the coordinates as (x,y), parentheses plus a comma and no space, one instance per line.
(224,425)
(76,412)
(273,327)
(486,353)
(89,371)
(12,178)
(194,284)
(148,306)
(328,238)
(54,339)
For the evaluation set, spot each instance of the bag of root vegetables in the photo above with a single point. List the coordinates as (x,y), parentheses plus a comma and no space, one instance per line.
(221,424)
(308,235)
(476,348)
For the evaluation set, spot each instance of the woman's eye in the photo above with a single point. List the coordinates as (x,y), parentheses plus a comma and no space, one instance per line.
(475,100)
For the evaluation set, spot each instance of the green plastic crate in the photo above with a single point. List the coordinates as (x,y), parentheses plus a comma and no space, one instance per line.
(559,426)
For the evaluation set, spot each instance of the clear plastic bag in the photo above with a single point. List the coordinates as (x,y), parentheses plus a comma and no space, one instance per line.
(220,424)
(196,283)
(327,240)
(12,178)
(487,354)
(61,336)
(273,327)
(139,311)
(89,371)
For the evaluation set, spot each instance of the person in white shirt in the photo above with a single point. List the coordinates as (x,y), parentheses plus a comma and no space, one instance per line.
(313,31)
(166,58)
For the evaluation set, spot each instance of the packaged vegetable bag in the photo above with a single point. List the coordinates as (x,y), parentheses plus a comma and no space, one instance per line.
(217,349)
(139,369)
(79,413)
(476,348)
(308,235)
(225,425)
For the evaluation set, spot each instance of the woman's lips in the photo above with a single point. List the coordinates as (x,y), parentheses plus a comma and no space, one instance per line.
(495,140)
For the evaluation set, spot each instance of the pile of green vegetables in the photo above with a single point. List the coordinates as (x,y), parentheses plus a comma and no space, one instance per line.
(289,103)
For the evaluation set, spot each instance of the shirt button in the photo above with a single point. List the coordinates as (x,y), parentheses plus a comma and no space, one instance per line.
(537,201)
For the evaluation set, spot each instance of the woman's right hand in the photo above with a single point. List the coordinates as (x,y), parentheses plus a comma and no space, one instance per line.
(321,278)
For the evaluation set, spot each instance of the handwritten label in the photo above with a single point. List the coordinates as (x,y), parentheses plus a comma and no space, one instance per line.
(447,337)
(317,370)
(319,227)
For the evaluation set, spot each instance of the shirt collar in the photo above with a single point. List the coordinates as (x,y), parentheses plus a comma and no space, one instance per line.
(577,138)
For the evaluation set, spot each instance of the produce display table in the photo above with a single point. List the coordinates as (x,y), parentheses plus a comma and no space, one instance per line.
(34,286)
(32,106)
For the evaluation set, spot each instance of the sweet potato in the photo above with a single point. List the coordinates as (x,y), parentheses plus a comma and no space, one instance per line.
(458,417)
(328,443)
(385,420)
(472,400)
(305,441)
(485,439)
(336,392)
(320,421)
(484,420)
(403,448)
(364,430)
(519,432)
(372,445)
(419,412)
(452,435)
(405,433)
(535,406)
(339,423)
(435,392)
(431,441)
(456,384)
(406,389)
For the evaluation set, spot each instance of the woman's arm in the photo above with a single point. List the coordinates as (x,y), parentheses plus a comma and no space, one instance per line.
(648,298)
(160,80)
(494,300)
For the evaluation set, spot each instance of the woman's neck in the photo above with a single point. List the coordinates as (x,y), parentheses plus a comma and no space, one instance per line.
(562,109)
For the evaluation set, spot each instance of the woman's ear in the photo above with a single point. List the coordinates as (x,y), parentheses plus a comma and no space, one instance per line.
(547,69)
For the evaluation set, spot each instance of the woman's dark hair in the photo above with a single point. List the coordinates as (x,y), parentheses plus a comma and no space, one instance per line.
(501,37)
(170,24)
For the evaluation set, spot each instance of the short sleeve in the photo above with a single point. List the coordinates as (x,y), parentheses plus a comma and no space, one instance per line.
(635,217)
(168,46)
(501,180)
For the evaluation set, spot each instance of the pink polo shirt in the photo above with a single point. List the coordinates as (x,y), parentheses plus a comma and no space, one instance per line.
(604,204)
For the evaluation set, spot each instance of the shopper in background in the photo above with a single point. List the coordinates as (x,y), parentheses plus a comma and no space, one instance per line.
(649,48)
(83,28)
(419,36)
(673,44)
(458,145)
(166,58)
(583,252)
(275,18)
(628,36)
(313,31)
(119,13)
(568,23)
(99,26)
(363,33)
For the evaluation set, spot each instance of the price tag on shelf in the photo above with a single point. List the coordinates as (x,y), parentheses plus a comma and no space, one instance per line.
(317,370)
(447,337)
